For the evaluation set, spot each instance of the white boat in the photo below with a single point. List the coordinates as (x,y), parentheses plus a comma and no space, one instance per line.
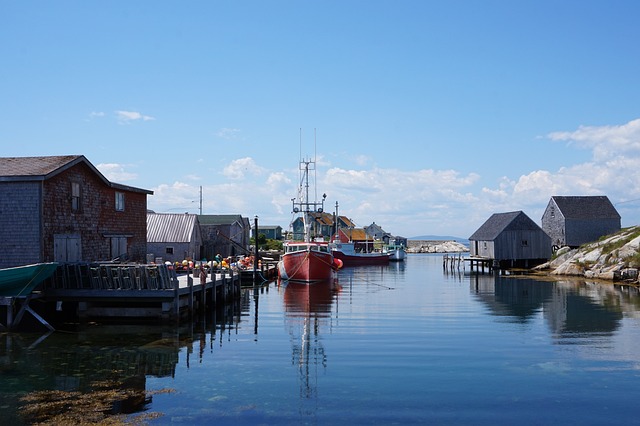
(397,252)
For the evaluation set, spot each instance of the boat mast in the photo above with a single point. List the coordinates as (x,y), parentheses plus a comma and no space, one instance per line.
(303,205)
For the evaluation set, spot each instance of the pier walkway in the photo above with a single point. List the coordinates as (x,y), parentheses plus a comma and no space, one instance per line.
(131,290)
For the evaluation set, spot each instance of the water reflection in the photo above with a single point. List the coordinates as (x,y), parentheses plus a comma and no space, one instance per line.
(571,308)
(101,368)
(308,308)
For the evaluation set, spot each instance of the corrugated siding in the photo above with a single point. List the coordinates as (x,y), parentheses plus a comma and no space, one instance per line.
(170,228)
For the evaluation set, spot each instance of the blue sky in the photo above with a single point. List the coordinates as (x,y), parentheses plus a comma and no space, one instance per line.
(429,116)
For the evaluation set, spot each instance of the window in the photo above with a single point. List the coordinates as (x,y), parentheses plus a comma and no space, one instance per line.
(119,247)
(75,196)
(169,250)
(525,243)
(120,201)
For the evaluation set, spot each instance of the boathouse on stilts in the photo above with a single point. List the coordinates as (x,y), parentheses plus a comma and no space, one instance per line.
(508,241)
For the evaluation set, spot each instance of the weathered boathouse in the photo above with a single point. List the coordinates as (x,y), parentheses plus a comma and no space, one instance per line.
(226,234)
(576,220)
(62,209)
(509,240)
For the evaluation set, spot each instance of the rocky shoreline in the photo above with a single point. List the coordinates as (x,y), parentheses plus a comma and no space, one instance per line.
(614,258)
(429,246)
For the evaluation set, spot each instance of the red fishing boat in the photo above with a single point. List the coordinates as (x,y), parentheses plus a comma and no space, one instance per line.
(309,260)
(353,253)
(347,253)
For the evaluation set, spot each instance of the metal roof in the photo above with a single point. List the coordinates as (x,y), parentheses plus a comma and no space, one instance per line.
(500,222)
(219,219)
(170,227)
(586,207)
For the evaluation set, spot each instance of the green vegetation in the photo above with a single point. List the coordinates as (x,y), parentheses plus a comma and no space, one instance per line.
(633,261)
(615,245)
(265,243)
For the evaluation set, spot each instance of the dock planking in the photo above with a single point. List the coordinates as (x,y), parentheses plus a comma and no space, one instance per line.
(136,290)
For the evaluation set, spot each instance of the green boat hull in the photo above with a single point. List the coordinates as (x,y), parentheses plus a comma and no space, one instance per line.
(22,280)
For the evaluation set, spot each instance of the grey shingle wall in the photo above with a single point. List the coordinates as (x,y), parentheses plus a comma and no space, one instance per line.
(20,239)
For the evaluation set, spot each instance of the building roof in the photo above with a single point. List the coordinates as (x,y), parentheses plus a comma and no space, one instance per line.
(269,227)
(170,227)
(348,222)
(355,234)
(219,219)
(586,207)
(500,222)
(20,169)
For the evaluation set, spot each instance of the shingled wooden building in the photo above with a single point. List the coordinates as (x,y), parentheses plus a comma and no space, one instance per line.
(61,208)
(510,240)
(576,220)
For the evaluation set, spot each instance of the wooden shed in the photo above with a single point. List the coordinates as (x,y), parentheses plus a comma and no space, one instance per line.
(273,232)
(511,240)
(174,237)
(225,234)
(576,220)
(61,208)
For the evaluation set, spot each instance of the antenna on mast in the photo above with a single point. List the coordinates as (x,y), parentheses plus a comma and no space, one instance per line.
(315,169)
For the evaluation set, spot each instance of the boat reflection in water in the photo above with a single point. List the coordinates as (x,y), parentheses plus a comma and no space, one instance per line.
(307,309)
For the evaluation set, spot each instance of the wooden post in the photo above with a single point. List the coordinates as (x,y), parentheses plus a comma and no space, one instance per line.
(190,285)
(255,258)
(214,287)
(176,294)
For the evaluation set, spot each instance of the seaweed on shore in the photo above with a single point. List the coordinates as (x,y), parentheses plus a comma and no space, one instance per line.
(104,404)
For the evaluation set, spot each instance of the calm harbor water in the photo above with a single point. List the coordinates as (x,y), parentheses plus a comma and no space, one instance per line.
(406,343)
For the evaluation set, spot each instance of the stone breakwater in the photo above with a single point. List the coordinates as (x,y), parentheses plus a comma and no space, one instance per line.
(425,246)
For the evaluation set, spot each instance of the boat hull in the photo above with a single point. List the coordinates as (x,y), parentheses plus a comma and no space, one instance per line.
(361,259)
(397,255)
(306,266)
(22,280)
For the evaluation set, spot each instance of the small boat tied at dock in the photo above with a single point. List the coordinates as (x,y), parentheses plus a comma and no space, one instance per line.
(309,260)
(353,253)
(397,252)
(20,281)
(347,253)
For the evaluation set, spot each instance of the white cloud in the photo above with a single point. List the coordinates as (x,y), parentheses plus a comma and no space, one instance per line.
(116,172)
(228,133)
(429,201)
(605,141)
(237,169)
(126,117)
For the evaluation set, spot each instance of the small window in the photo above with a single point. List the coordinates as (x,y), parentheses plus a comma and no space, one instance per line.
(120,201)
(75,196)
(169,250)
(525,243)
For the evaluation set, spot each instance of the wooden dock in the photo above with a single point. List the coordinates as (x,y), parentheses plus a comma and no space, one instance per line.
(480,263)
(132,291)
(267,271)
(476,264)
